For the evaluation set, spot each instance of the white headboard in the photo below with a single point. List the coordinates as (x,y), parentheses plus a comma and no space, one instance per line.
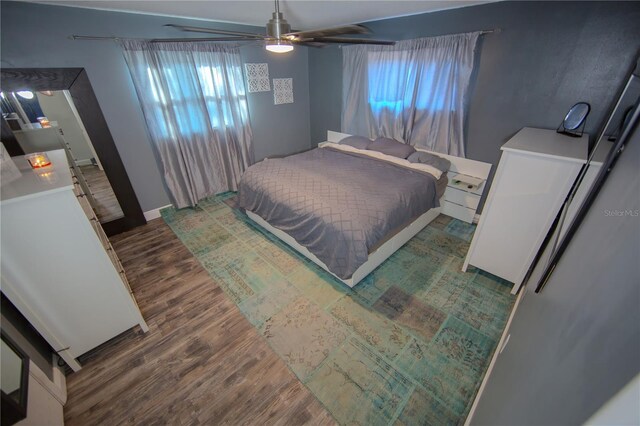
(458,164)
(335,136)
(459,202)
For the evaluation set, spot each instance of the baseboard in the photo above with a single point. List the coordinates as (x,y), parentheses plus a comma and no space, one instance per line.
(56,387)
(476,218)
(155,213)
(86,162)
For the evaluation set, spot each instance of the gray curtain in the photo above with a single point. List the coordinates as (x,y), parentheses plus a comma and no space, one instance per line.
(414,91)
(194,102)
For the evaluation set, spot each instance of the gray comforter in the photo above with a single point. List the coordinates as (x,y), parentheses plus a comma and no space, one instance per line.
(336,204)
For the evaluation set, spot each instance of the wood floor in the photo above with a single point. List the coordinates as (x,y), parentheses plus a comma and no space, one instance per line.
(201,362)
(108,207)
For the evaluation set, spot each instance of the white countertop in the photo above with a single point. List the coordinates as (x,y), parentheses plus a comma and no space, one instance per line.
(55,177)
(549,143)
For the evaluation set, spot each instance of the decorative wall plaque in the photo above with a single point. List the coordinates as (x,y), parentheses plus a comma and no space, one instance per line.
(282,91)
(257,77)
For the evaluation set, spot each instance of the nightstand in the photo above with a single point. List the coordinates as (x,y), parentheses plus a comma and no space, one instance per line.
(462,196)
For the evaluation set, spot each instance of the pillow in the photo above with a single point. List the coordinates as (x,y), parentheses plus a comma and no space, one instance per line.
(359,142)
(391,147)
(439,163)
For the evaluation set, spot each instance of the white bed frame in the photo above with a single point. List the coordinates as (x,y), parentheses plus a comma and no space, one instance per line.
(458,166)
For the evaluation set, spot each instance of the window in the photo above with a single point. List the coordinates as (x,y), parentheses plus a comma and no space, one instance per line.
(184,99)
(398,83)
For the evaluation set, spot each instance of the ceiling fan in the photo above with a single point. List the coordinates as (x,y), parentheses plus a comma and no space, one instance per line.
(279,38)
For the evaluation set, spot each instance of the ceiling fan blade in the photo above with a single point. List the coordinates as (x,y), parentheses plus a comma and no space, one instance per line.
(309,43)
(214,31)
(197,39)
(348,40)
(328,32)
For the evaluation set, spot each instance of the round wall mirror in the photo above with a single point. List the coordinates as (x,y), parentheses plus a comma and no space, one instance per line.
(573,123)
(576,116)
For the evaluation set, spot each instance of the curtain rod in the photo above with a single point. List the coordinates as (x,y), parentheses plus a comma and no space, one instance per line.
(82,37)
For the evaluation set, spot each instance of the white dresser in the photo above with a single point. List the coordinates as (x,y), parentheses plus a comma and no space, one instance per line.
(536,172)
(58,267)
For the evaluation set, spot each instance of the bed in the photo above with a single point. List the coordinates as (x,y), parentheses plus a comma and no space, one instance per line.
(344,209)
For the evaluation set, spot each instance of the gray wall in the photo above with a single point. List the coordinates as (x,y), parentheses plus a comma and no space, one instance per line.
(280,129)
(325,91)
(548,56)
(35,35)
(575,344)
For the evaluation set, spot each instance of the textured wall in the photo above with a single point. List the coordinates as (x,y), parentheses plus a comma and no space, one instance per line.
(36,35)
(548,56)
(575,344)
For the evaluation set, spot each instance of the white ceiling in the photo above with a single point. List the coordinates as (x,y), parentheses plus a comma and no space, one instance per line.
(301,14)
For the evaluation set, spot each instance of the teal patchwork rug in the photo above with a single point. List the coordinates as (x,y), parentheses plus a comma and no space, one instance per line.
(408,345)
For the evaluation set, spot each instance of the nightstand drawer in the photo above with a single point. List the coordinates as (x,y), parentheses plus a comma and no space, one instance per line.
(457,211)
(463,198)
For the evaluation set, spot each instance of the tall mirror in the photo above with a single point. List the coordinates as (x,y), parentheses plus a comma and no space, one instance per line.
(49,120)
(14,381)
(609,144)
(56,108)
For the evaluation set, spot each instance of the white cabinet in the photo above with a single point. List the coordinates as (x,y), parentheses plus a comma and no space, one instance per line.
(58,267)
(534,176)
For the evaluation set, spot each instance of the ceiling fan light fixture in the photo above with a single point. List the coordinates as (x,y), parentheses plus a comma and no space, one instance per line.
(279,38)
(279,46)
